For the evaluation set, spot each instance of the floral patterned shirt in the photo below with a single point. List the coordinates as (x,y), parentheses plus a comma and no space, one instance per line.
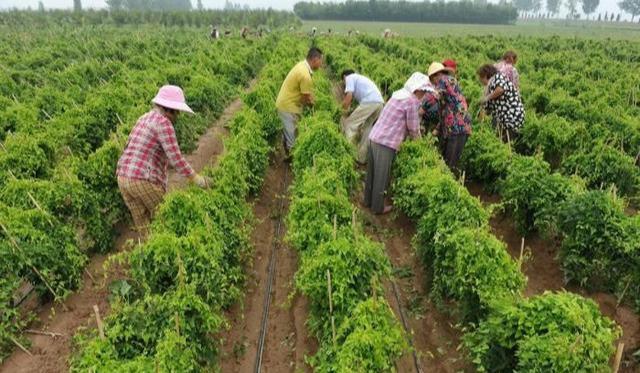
(455,119)
(431,107)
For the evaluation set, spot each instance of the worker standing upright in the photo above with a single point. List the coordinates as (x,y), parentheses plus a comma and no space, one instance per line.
(295,93)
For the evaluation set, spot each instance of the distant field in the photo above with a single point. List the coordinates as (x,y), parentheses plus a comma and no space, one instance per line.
(543,28)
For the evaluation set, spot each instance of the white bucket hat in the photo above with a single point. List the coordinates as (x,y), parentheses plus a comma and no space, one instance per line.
(172,97)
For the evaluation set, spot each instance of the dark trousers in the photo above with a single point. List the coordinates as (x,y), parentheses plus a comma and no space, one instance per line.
(452,150)
(379,161)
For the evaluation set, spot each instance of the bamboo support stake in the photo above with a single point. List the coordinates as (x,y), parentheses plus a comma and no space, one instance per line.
(90,275)
(623,293)
(509,141)
(33,268)
(177,319)
(333,321)
(96,311)
(20,346)
(335,226)
(35,202)
(618,359)
(521,253)
(41,332)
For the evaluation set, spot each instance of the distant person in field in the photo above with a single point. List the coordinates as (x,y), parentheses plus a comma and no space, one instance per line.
(357,125)
(399,119)
(295,93)
(387,33)
(314,31)
(151,147)
(507,67)
(245,32)
(502,101)
(215,33)
(455,122)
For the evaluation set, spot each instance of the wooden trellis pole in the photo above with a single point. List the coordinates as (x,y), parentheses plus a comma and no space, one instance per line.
(96,311)
(333,321)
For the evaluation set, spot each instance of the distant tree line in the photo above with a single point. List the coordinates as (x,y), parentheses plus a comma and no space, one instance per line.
(404,11)
(149,4)
(252,18)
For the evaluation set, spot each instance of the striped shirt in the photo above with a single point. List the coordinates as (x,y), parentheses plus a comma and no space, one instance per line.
(151,147)
(398,119)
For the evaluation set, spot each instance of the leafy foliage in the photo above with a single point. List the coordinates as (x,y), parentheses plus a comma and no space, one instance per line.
(553,332)
(369,341)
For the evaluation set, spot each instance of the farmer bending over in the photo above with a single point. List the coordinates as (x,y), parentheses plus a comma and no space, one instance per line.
(295,93)
(398,119)
(151,147)
(357,125)
(455,122)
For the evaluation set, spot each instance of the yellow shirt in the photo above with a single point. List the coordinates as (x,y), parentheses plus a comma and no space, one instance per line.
(297,82)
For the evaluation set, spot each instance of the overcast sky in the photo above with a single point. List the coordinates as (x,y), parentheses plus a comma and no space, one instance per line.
(605,5)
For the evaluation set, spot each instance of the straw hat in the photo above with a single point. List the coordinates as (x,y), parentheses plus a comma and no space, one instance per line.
(172,97)
(437,67)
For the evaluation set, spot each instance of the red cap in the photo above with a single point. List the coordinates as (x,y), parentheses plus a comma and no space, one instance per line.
(450,64)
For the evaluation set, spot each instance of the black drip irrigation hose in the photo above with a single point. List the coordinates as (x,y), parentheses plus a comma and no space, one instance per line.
(416,362)
(272,267)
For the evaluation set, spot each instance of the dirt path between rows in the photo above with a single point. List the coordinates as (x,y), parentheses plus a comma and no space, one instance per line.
(434,335)
(287,340)
(544,272)
(51,355)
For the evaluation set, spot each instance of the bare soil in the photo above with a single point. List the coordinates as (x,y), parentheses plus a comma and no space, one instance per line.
(52,355)
(433,333)
(544,273)
(287,340)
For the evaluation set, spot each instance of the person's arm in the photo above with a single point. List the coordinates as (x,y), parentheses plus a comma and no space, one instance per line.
(169,143)
(306,89)
(413,120)
(499,91)
(346,102)
(516,78)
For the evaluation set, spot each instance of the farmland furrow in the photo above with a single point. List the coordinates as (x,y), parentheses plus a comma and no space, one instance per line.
(435,337)
(51,355)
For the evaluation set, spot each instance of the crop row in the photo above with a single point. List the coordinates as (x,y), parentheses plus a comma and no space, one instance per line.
(191,267)
(600,244)
(597,236)
(341,270)
(580,119)
(472,267)
(504,331)
(59,199)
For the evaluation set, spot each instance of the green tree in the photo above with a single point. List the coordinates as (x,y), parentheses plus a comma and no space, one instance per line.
(115,4)
(77,5)
(553,6)
(40,6)
(589,6)
(572,7)
(524,5)
(630,6)
(200,6)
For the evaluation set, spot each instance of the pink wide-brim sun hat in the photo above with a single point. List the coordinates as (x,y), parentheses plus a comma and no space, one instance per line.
(172,97)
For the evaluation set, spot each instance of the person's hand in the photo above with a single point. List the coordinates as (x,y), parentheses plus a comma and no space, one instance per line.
(435,133)
(201,181)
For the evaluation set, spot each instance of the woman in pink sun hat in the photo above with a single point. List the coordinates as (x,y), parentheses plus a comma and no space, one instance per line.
(152,146)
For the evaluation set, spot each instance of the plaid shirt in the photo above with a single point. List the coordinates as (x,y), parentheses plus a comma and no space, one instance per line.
(398,118)
(152,145)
